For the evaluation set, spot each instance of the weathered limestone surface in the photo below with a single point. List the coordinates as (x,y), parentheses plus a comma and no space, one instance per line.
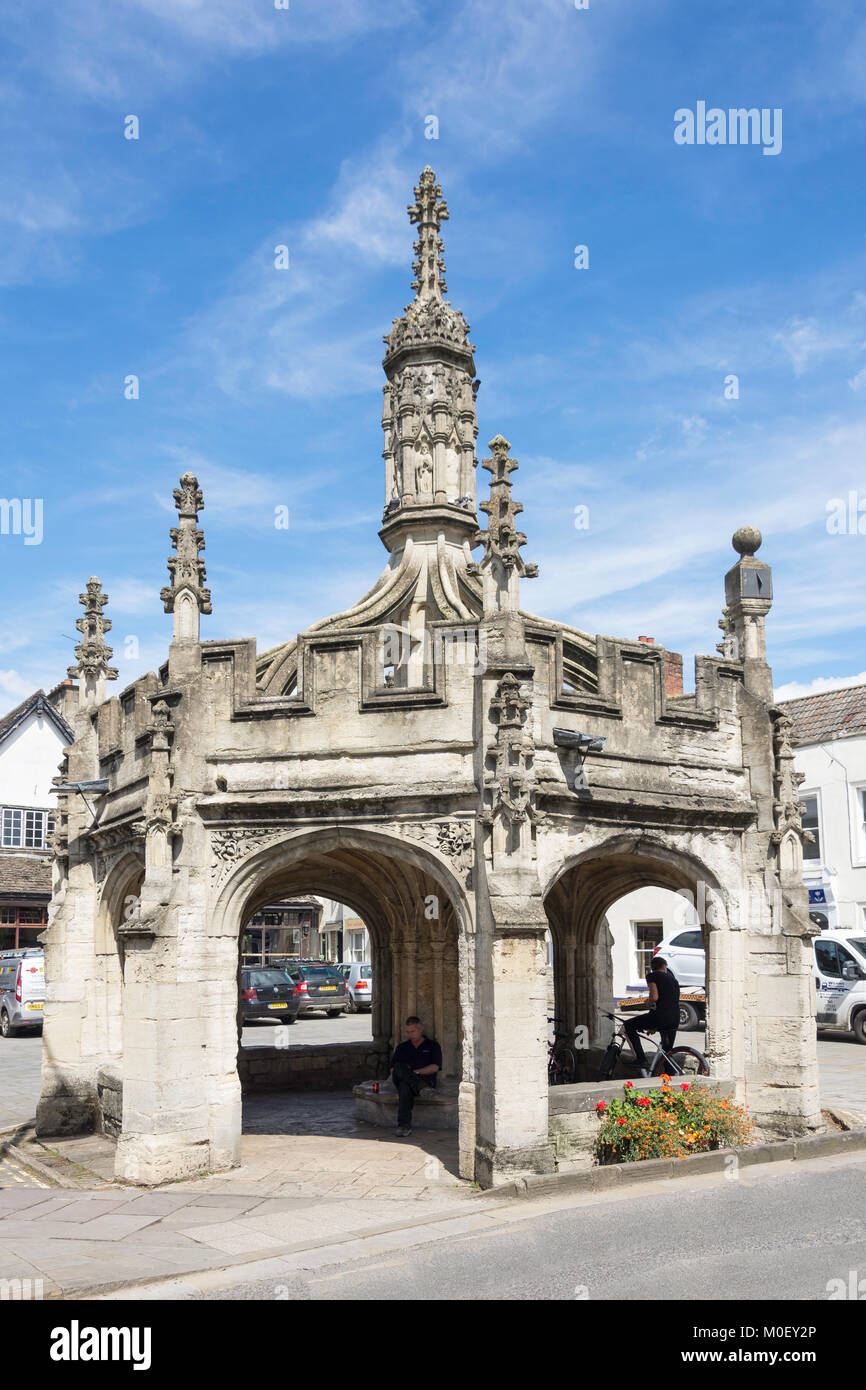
(419,757)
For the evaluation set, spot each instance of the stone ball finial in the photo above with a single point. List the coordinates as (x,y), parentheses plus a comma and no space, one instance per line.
(746,540)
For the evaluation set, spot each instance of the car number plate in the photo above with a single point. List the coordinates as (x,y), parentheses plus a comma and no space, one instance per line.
(278,1006)
(325,989)
(34,1006)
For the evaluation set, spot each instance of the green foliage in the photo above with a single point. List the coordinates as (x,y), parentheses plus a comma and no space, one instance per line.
(671,1122)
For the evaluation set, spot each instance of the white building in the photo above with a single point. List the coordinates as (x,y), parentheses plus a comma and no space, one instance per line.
(638,922)
(829,738)
(344,935)
(32,738)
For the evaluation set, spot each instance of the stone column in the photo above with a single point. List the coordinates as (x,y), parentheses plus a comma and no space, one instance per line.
(397,1011)
(410,984)
(166,1130)
(438,950)
(512,1116)
(68,1103)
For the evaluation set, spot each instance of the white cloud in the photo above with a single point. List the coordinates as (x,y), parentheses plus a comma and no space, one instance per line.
(793,690)
(14,686)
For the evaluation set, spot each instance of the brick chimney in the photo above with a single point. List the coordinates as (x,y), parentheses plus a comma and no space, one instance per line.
(673,669)
(673,673)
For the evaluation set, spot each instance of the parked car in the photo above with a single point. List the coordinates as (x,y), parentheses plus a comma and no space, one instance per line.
(268,992)
(359,985)
(840,981)
(684,953)
(22,989)
(321,986)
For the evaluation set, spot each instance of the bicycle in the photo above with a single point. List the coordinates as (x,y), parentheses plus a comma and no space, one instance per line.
(561,1061)
(676,1061)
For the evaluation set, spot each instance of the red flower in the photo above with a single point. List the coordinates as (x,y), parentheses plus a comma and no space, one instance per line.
(622,1121)
(628,1083)
(684,1087)
(643,1100)
(601,1107)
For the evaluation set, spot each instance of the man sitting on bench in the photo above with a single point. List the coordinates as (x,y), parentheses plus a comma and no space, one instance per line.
(414,1065)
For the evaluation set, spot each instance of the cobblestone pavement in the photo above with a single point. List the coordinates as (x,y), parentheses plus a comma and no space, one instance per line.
(14,1174)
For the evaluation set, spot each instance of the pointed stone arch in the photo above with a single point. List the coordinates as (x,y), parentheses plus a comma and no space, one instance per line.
(414,902)
(577,896)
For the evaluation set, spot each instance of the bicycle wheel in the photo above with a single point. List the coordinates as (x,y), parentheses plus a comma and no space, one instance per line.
(608,1062)
(567,1067)
(687,1060)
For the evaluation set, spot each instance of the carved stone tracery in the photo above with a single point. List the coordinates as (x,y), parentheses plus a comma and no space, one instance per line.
(510,786)
(452,838)
(788,809)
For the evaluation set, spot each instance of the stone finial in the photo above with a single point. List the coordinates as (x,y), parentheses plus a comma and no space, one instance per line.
(186,597)
(502,540)
(746,540)
(788,810)
(92,653)
(429,211)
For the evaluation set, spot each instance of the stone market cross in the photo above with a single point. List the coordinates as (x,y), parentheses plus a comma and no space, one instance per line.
(402,754)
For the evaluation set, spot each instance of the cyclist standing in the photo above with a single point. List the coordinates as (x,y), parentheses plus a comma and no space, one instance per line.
(664,1016)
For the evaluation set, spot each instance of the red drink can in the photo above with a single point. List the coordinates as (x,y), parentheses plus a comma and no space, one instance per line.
(375,1088)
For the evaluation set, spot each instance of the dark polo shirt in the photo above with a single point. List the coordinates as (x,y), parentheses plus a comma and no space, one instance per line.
(427,1054)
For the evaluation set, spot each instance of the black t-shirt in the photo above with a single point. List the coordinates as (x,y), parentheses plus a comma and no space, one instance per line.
(667,1007)
(427,1054)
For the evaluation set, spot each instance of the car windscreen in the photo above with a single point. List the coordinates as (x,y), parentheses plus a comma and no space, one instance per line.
(313,972)
(859,944)
(266,979)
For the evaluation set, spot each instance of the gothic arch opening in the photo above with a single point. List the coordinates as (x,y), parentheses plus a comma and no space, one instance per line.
(413,909)
(119,903)
(578,901)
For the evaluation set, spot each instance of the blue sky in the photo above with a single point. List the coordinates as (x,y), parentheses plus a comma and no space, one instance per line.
(306,127)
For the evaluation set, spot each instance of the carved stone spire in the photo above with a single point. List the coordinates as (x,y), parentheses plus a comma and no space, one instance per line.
(428,418)
(186,597)
(788,809)
(429,210)
(92,653)
(502,565)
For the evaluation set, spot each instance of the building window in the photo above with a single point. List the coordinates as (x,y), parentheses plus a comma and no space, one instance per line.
(647,935)
(812,848)
(23,829)
(21,926)
(859,836)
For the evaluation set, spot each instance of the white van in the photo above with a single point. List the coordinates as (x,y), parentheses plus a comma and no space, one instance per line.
(840,981)
(22,989)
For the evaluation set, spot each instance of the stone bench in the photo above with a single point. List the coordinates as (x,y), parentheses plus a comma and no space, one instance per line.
(433,1109)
